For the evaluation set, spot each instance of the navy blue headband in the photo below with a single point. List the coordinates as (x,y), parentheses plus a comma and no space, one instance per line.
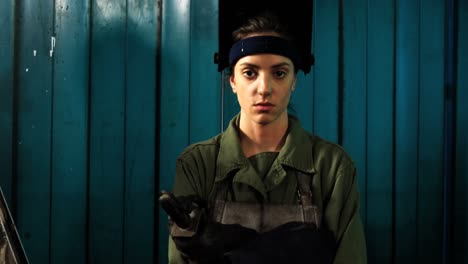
(264,44)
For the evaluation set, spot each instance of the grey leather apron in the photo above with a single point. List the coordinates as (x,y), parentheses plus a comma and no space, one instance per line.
(263,217)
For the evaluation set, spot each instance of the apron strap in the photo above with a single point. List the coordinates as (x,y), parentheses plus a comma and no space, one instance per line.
(304,189)
(218,197)
(304,183)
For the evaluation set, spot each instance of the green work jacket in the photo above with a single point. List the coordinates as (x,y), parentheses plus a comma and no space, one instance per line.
(333,173)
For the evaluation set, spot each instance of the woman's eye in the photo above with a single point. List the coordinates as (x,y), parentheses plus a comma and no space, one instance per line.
(248,73)
(280,74)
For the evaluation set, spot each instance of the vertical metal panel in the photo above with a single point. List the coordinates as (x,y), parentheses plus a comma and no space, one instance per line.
(6,97)
(326,69)
(431,124)
(205,82)
(380,81)
(140,132)
(69,132)
(107,121)
(406,129)
(34,87)
(174,126)
(461,178)
(302,100)
(34,104)
(449,170)
(355,88)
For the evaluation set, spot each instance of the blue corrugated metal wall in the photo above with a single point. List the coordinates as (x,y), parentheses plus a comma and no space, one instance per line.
(89,134)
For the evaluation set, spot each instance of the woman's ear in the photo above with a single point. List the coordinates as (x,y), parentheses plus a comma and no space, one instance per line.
(293,86)
(233,83)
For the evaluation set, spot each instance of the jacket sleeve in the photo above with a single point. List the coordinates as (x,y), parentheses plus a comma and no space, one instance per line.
(190,179)
(342,217)
(184,184)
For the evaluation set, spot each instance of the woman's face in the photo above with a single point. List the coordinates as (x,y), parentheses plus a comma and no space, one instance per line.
(263,84)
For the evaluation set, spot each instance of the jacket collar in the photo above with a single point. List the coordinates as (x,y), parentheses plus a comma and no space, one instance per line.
(296,152)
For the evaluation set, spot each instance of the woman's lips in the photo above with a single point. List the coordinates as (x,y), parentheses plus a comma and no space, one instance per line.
(263,107)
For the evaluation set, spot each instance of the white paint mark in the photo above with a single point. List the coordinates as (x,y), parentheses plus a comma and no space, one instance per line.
(35,53)
(27,70)
(52,46)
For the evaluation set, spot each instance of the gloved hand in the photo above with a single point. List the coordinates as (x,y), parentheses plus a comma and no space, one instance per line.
(184,211)
(290,243)
(210,240)
(213,241)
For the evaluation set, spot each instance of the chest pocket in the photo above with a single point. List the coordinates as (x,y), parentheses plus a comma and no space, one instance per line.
(263,217)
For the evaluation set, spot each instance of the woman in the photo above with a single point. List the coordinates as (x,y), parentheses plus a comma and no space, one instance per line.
(271,191)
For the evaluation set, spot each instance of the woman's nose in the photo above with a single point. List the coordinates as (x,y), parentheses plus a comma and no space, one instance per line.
(264,86)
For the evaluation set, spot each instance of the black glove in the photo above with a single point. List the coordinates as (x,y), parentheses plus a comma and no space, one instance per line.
(213,242)
(210,240)
(290,243)
(184,211)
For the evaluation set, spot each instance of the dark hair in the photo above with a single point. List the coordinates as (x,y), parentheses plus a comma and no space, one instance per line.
(261,23)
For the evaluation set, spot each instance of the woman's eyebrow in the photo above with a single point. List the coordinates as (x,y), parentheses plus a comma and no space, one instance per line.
(251,65)
(282,64)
